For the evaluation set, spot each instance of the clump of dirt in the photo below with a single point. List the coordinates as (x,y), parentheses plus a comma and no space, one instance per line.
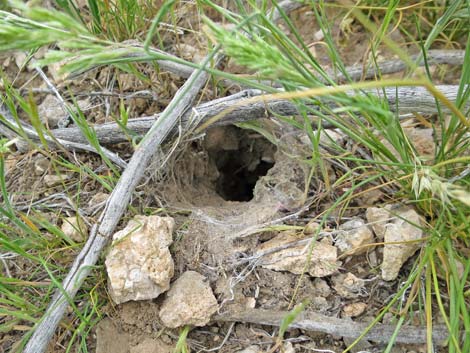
(234,182)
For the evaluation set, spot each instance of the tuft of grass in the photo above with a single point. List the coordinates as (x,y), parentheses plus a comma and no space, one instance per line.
(181,344)
(43,253)
(116,20)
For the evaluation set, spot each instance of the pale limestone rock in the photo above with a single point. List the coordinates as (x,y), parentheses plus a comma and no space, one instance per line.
(354,309)
(320,304)
(347,285)
(421,139)
(20,59)
(75,228)
(323,259)
(311,227)
(52,180)
(5,62)
(288,347)
(98,200)
(329,137)
(352,237)
(321,287)
(190,301)
(188,52)
(41,165)
(377,218)
(54,69)
(139,263)
(369,197)
(319,35)
(250,302)
(404,228)
(51,111)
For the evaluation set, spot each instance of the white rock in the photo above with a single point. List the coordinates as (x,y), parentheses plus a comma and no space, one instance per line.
(190,301)
(288,347)
(323,260)
(75,228)
(422,141)
(250,302)
(320,304)
(377,218)
(404,228)
(139,263)
(321,287)
(98,199)
(331,137)
(318,35)
(51,111)
(352,237)
(55,71)
(347,285)
(311,227)
(20,59)
(52,180)
(354,309)
(5,63)
(327,137)
(41,165)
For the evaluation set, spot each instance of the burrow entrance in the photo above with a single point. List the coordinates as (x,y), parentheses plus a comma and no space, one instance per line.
(241,158)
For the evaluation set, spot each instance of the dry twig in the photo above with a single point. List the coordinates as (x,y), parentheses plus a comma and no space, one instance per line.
(334,326)
(115,207)
(406,99)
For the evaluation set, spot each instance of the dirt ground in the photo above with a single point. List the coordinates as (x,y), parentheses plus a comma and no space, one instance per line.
(227,191)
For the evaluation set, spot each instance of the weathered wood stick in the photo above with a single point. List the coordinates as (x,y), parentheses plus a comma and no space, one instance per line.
(337,327)
(433,57)
(177,66)
(406,99)
(354,72)
(117,203)
(57,142)
(410,100)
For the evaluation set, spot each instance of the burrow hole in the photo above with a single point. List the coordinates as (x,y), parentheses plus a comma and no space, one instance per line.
(241,158)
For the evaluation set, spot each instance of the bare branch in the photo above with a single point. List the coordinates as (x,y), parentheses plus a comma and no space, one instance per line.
(337,327)
(115,207)
(406,99)
(57,142)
